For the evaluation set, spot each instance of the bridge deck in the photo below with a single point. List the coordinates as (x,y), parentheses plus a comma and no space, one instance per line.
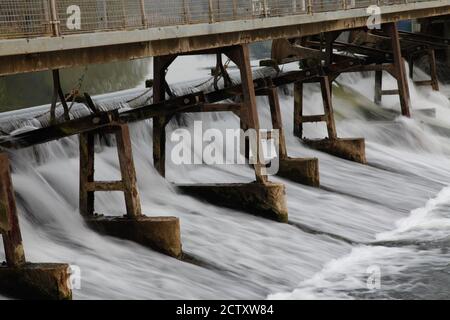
(40,34)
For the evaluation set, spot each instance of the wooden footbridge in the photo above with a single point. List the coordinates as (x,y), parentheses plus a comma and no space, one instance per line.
(327,38)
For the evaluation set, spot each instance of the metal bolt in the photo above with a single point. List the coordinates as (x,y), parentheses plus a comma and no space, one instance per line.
(186,101)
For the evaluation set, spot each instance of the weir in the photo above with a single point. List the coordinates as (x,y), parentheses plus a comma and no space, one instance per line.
(315,43)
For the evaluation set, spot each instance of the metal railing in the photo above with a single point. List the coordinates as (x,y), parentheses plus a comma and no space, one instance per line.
(34,18)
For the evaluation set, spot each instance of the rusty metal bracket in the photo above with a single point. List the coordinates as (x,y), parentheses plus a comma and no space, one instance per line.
(57,92)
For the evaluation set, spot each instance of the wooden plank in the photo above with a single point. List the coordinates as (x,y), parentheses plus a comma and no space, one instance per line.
(298,109)
(240,55)
(314,118)
(160,65)
(277,121)
(399,69)
(378,86)
(389,92)
(328,106)
(86,196)
(104,186)
(129,183)
(12,238)
(433,70)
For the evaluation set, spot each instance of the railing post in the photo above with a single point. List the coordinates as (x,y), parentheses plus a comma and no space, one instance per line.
(310,7)
(187,12)
(55,23)
(143,14)
(211,11)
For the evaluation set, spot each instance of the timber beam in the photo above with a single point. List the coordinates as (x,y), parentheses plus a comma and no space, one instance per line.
(195,102)
(59,131)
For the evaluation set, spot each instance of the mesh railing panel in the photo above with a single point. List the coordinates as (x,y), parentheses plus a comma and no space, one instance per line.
(31,18)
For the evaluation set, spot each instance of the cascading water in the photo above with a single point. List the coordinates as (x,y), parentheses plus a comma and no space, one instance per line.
(392,214)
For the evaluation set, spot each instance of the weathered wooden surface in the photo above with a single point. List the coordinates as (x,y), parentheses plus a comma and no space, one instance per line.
(10,229)
(399,69)
(128,184)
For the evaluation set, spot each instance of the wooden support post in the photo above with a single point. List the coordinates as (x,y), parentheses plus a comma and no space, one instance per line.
(240,55)
(328,116)
(277,122)
(132,199)
(87,198)
(9,221)
(399,69)
(328,107)
(433,70)
(330,37)
(411,67)
(160,65)
(298,109)
(128,185)
(378,86)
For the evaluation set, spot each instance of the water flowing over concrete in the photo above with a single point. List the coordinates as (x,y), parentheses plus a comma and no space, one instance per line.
(392,214)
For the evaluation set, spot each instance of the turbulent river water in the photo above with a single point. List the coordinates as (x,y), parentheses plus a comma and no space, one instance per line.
(390,218)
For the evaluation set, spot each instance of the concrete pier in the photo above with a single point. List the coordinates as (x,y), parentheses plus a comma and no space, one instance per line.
(349,149)
(37,281)
(300,170)
(263,199)
(159,233)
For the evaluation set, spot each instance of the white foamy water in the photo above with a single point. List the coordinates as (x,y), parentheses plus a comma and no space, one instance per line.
(392,213)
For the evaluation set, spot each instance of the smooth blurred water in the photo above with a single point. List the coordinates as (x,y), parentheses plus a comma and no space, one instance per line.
(392,214)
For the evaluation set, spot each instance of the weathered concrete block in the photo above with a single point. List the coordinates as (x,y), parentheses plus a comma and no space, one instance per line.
(263,199)
(350,149)
(159,233)
(304,171)
(39,281)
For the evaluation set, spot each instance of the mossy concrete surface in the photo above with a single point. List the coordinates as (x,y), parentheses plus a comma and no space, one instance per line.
(159,233)
(263,199)
(301,170)
(37,281)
